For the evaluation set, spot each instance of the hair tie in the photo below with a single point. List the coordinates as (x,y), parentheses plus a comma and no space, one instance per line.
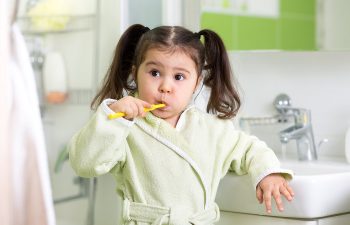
(145,29)
(197,35)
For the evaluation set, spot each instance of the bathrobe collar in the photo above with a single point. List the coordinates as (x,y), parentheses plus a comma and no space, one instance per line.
(161,127)
(172,137)
(180,123)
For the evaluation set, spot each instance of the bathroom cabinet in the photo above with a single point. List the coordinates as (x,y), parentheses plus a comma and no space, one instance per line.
(76,40)
(229,218)
(279,24)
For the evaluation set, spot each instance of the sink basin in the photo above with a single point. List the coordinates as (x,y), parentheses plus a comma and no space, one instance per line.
(322,188)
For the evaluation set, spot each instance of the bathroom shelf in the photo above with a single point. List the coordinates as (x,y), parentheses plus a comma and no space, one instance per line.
(80,96)
(35,30)
(75,97)
(63,23)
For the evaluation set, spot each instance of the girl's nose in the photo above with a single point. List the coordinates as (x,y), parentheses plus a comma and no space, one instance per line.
(165,87)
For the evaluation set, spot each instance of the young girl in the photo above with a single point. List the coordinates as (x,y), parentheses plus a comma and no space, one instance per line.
(168,163)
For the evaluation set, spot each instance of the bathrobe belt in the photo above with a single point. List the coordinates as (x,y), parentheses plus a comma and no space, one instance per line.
(158,215)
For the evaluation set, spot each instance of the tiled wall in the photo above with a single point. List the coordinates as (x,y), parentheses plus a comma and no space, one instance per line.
(292,28)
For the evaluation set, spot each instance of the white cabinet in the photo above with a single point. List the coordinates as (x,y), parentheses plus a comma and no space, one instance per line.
(230,218)
(333,33)
(335,220)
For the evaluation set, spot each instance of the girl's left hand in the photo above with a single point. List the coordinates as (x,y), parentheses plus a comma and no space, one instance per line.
(273,185)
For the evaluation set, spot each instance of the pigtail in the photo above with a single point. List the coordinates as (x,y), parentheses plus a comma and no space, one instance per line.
(117,78)
(224,98)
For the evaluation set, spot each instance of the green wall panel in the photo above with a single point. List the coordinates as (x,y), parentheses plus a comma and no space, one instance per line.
(256,33)
(223,25)
(298,34)
(294,29)
(305,7)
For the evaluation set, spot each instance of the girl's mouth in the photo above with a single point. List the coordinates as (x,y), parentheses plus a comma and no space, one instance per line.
(165,108)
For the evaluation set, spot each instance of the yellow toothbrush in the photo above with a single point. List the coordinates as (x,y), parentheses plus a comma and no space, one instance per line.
(121,114)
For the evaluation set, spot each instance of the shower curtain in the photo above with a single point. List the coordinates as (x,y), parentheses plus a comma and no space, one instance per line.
(25,190)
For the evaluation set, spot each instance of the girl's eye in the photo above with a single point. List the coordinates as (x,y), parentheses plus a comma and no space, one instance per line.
(179,77)
(155,73)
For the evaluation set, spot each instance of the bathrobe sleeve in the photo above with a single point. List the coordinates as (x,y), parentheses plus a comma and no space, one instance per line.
(100,145)
(251,156)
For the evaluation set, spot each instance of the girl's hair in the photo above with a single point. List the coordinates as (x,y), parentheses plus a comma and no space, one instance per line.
(210,58)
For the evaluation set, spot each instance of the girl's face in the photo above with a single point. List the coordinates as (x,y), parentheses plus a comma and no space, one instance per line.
(169,78)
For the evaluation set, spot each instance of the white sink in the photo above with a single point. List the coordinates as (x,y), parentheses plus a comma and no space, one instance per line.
(322,188)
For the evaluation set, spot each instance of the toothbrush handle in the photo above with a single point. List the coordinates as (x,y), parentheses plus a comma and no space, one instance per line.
(121,114)
(116,115)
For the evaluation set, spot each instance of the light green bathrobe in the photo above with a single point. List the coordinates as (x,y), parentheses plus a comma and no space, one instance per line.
(168,175)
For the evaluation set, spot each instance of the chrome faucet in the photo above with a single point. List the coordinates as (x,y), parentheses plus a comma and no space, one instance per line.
(301,131)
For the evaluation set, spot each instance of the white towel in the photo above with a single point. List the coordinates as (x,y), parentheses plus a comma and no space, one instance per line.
(6,206)
(31,190)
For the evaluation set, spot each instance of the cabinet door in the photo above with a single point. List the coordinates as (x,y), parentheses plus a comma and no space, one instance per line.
(229,218)
(334,34)
(262,25)
(335,220)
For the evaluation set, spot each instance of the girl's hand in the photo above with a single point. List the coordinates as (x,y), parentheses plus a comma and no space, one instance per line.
(132,107)
(273,185)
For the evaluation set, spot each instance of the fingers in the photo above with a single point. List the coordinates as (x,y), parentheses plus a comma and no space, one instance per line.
(140,109)
(277,196)
(146,104)
(289,188)
(267,201)
(132,107)
(136,108)
(274,186)
(287,192)
(131,110)
(259,194)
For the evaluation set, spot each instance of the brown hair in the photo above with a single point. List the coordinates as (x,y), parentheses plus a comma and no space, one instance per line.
(210,58)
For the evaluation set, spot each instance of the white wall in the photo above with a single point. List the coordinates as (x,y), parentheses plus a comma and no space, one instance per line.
(319,81)
(148,13)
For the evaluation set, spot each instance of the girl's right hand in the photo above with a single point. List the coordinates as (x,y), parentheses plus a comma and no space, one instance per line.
(131,106)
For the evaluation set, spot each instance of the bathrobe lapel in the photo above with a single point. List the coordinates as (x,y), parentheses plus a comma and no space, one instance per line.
(175,141)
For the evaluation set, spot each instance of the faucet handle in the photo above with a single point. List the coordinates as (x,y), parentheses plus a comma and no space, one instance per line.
(323,141)
(282,102)
(283,105)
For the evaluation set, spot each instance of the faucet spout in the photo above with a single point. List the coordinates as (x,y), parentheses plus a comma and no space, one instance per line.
(304,138)
(293,132)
